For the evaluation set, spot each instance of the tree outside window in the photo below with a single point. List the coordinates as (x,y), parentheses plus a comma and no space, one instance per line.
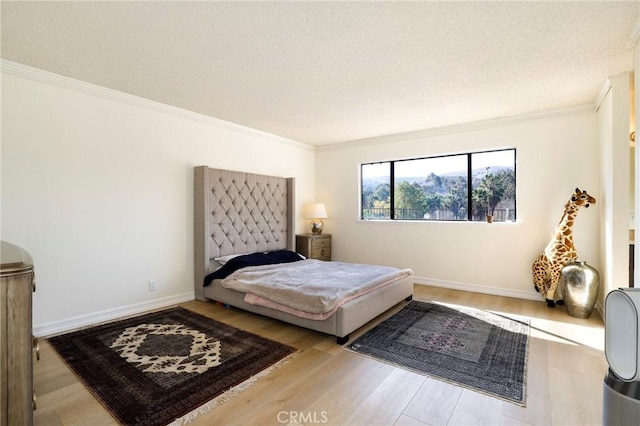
(451,187)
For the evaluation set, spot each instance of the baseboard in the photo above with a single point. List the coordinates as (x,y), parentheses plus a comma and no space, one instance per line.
(57,327)
(600,309)
(479,288)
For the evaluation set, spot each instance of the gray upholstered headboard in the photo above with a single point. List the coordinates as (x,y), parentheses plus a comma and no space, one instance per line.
(237,212)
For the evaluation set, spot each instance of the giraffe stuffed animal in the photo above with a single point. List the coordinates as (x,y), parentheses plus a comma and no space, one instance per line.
(560,250)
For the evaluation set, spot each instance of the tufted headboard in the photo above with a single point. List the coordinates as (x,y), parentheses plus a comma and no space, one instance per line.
(237,212)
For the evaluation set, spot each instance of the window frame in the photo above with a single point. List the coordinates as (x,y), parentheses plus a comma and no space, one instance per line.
(469,177)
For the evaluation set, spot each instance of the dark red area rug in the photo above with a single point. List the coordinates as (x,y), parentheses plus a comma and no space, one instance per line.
(165,366)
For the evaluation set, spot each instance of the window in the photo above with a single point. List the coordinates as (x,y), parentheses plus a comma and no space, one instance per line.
(462,187)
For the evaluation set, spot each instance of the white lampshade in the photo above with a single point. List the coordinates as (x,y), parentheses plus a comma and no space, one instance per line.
(317,211)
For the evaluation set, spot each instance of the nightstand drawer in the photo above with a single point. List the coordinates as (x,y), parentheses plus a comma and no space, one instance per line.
(320,243)
(322,253)
(314,246)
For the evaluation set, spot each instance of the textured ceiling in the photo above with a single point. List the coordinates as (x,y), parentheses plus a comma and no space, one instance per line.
(326,72)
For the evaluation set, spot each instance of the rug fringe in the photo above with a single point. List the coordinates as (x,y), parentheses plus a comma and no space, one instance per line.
(230,393)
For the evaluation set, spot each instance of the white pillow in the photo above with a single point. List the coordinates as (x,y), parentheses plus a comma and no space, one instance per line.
(213,265)
(224,259)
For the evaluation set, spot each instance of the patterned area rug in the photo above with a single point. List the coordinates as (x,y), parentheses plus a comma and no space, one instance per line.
(166,366)
(475,349)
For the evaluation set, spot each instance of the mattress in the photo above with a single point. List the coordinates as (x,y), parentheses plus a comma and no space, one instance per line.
(307,288)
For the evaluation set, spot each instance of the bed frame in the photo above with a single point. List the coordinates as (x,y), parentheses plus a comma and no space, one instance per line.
(238,212)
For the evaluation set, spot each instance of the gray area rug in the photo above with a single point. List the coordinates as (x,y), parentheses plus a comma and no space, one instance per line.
(475,349)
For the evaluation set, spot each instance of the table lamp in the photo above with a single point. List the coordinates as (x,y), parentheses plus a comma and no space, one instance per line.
(316,212)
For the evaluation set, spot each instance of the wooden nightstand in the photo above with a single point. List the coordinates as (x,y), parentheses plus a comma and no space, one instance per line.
(314,246)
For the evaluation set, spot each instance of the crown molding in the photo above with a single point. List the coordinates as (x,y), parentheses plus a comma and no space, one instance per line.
(635,33)
(47,77)
(606,87)
(463,127)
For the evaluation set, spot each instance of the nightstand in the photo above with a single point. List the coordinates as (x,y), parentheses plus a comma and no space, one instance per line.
(314,246)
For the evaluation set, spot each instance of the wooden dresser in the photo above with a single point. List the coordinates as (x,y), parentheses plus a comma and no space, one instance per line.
(314,246)
(17,399)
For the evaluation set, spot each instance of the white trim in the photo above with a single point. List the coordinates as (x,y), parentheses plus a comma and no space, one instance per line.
(600,309)
(606,87)
(438,222)
(42,76)
(463,127)
(479,288)
(635,33)
(57,327)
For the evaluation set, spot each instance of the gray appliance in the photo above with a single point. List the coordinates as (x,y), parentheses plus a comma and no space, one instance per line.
(621,393)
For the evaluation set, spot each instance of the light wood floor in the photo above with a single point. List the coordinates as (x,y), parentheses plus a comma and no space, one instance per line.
(325,384)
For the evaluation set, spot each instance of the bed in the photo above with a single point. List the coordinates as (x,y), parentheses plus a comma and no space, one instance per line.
(242,213)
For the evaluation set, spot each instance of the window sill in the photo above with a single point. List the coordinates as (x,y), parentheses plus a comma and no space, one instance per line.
(436,222)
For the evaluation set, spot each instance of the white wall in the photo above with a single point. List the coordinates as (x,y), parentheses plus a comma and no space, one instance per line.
(100,192)
(555,154)
(613,118)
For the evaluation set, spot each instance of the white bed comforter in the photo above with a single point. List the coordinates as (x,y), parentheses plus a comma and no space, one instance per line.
(311,285)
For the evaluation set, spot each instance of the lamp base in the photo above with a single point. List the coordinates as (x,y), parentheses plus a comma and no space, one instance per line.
(316,226)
